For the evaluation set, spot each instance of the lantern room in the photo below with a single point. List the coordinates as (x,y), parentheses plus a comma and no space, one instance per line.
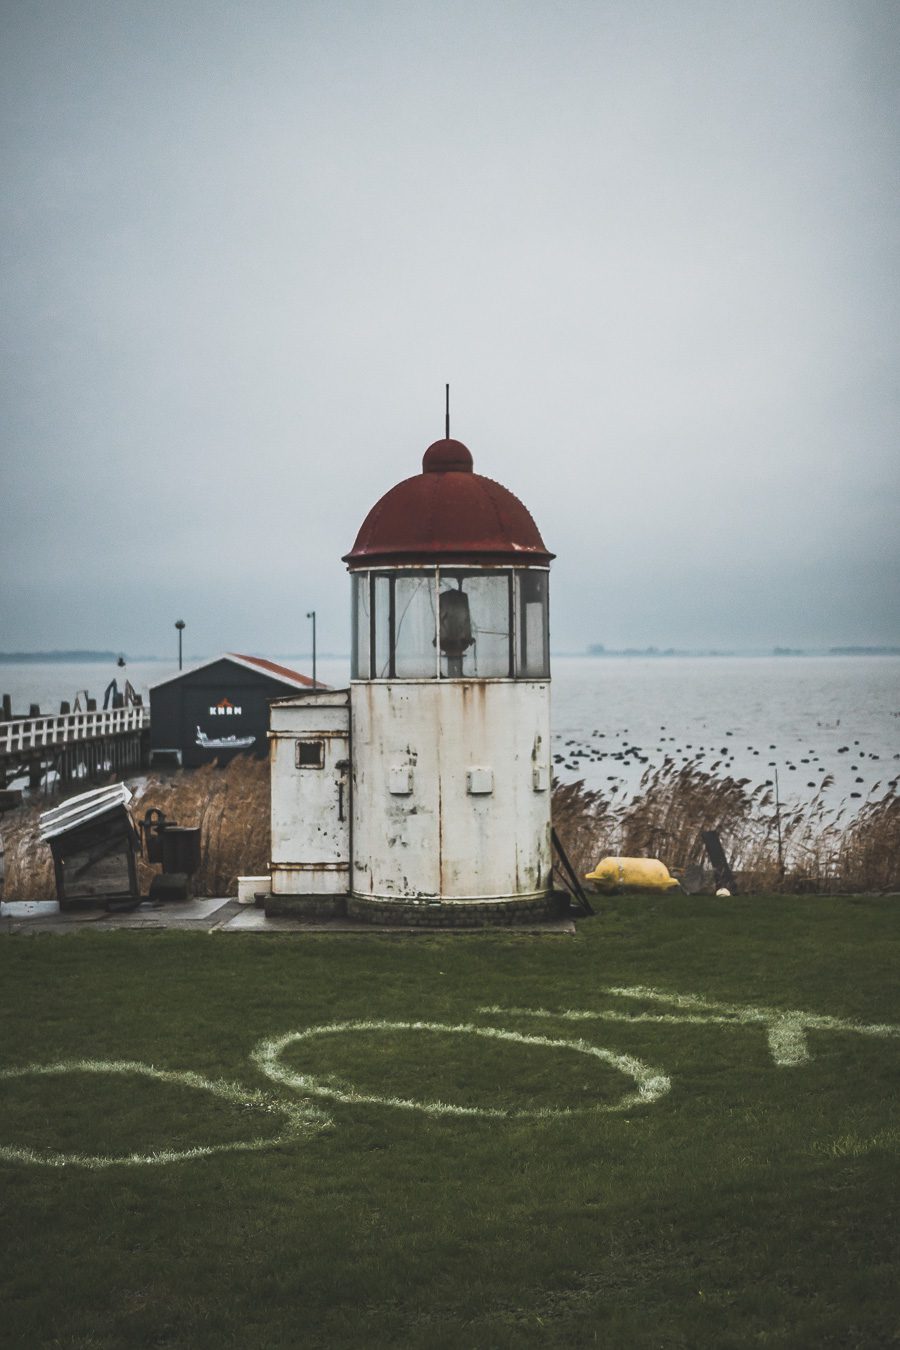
(430,803)
(449,579)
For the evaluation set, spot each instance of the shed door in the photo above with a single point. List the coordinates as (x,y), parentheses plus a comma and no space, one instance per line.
(311,804)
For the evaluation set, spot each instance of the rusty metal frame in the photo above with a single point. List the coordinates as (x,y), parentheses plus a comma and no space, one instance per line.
(434,570)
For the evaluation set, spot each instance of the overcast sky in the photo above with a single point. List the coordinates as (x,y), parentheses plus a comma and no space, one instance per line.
(652,244)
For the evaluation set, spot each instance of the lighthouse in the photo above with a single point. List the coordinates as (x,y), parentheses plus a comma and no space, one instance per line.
(426,786)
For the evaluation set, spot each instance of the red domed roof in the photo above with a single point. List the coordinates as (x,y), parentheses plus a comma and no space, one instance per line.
(448,513)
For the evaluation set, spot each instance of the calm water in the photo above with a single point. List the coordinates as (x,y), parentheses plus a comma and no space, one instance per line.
(744,714)
(614,718)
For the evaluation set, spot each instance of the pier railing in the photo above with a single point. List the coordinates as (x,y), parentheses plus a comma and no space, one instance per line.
(25,734)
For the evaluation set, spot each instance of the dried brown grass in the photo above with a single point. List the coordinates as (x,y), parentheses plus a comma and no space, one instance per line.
(870,846)
(230,805)
(27,862)
(663,820)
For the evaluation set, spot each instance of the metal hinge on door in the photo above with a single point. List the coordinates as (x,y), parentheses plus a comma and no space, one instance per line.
(342,767)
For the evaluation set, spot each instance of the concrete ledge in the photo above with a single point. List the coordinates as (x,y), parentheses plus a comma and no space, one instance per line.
(149,916)
(229,916)
(255,921)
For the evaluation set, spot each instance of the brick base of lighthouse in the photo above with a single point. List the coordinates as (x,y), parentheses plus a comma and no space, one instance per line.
(457,913)
(419,914)
(306,906)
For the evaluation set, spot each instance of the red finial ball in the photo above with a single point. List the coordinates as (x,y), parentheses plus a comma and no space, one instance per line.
(447,457)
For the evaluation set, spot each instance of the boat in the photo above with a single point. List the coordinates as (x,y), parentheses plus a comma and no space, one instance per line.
(223,742)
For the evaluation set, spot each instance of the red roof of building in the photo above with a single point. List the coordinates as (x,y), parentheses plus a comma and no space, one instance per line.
(259,663)
(283,672)
(448,513)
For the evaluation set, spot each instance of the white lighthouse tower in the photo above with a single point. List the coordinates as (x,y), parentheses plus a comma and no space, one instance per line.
(449,717)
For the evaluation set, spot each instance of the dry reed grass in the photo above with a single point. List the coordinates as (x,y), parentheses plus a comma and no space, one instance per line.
(870,845)
(770,846)
(230,804)
(663,820)
(231,807)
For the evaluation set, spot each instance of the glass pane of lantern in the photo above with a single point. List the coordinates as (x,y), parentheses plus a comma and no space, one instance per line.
(534,638)
(475,625)
(361,628)
(382,601)
(414,626)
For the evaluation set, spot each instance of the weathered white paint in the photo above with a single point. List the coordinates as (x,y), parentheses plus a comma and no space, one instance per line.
(80,810)
(785,1028)
(300,1117)
(310,804)
(651,1084)
(419,830)
(31,733)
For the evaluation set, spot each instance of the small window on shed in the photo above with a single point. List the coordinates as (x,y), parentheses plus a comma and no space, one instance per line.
(310,755)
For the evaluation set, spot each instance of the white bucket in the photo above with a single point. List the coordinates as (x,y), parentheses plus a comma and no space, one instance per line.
(250,887)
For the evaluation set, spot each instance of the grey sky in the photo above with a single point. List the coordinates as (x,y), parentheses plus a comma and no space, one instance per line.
(653,247)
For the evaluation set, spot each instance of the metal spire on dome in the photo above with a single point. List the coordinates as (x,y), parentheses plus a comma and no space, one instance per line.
(447,413)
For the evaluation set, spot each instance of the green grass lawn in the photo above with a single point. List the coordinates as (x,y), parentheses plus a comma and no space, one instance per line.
(748,1197)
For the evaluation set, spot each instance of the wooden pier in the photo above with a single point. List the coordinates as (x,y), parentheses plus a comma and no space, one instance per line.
(73,746)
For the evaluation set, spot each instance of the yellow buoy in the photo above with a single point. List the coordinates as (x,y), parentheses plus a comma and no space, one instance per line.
(631,874)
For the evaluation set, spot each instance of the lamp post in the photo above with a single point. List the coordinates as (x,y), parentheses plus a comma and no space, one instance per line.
(772,765)
(311,614)
(179,624)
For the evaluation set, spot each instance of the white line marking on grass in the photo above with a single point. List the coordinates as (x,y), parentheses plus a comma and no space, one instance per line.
(651,1083)
(300,1117)
(786,1029)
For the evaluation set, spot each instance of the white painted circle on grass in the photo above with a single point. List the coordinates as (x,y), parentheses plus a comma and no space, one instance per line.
(651,1084)
(299,1117)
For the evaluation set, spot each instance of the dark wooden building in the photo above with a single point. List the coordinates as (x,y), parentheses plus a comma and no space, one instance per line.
(218,710)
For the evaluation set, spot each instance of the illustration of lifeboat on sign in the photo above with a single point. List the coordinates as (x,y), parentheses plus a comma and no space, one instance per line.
(223,742)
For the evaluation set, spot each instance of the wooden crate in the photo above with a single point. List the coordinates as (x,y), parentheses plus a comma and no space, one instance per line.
(96,860)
